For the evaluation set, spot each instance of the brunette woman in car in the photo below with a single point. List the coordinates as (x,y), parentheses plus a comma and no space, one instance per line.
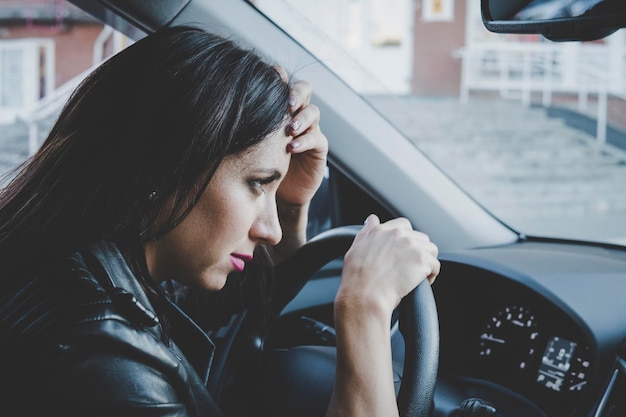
(179,160)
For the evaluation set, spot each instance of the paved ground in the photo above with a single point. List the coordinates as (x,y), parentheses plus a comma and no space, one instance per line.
(538,170)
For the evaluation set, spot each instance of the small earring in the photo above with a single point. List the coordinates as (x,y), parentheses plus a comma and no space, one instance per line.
(153,195)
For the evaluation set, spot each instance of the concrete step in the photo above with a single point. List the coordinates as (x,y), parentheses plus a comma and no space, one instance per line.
(516,160)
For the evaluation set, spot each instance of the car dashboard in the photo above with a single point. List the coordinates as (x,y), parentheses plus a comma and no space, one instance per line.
(534,328)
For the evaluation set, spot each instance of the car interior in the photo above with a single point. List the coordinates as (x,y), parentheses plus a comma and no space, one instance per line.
(518,323)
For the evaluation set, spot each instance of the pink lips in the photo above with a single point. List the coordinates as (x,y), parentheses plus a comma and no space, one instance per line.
(239,260)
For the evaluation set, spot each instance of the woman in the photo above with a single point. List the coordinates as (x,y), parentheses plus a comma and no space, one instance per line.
(181,158)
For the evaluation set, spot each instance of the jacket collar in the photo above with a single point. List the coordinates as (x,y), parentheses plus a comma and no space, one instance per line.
(194,343)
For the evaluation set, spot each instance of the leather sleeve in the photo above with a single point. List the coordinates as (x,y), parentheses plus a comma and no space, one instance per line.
(103,371)
(106,383)
(111,368)
(67,348)
(72,382)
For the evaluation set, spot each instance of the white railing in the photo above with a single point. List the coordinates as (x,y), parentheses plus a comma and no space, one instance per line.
(593,77)
(47,108)
(26,74)
(513,70)
(519,70)
(50,105)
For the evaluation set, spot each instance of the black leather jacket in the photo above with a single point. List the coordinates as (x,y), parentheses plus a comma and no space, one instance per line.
(83,339)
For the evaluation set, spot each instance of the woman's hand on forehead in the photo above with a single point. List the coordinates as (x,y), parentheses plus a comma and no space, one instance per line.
(309,149)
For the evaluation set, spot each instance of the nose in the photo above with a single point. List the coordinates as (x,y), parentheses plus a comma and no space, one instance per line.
(266,229)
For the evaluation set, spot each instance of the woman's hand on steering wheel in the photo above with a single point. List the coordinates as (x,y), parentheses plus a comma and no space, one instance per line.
(385,262)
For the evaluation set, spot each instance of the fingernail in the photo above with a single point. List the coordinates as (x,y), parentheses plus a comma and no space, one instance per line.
(369,218)
(295,144)
(294,125)
(293,100)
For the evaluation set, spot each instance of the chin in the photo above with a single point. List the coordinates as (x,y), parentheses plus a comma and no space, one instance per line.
(213,285)
(213,281)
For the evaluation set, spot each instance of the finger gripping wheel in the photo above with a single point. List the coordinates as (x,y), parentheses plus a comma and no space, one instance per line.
(418,319)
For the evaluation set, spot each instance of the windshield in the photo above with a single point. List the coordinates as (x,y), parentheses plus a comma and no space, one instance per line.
(533,130)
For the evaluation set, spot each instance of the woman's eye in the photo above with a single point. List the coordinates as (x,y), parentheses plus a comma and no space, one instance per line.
(258,185)
(265,183)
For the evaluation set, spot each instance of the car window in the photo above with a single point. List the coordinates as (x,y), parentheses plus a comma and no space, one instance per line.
(533,130)
(46,49)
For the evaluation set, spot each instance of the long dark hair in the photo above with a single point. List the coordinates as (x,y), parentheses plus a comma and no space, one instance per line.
(136,144)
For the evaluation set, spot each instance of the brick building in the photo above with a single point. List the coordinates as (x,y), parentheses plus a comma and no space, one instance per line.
(44,44)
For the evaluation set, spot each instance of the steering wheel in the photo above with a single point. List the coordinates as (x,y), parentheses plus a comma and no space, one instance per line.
(285,387)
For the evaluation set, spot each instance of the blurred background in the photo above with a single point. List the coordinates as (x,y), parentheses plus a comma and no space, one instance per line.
(533,130)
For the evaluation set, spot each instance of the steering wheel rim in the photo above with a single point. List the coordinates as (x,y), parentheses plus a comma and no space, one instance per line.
(418,321)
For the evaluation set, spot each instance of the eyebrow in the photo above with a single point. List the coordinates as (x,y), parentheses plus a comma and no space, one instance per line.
(271,173)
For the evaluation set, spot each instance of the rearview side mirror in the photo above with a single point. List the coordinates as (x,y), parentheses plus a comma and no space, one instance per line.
(557,20)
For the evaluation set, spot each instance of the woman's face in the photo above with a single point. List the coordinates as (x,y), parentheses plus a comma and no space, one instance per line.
(236,212)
